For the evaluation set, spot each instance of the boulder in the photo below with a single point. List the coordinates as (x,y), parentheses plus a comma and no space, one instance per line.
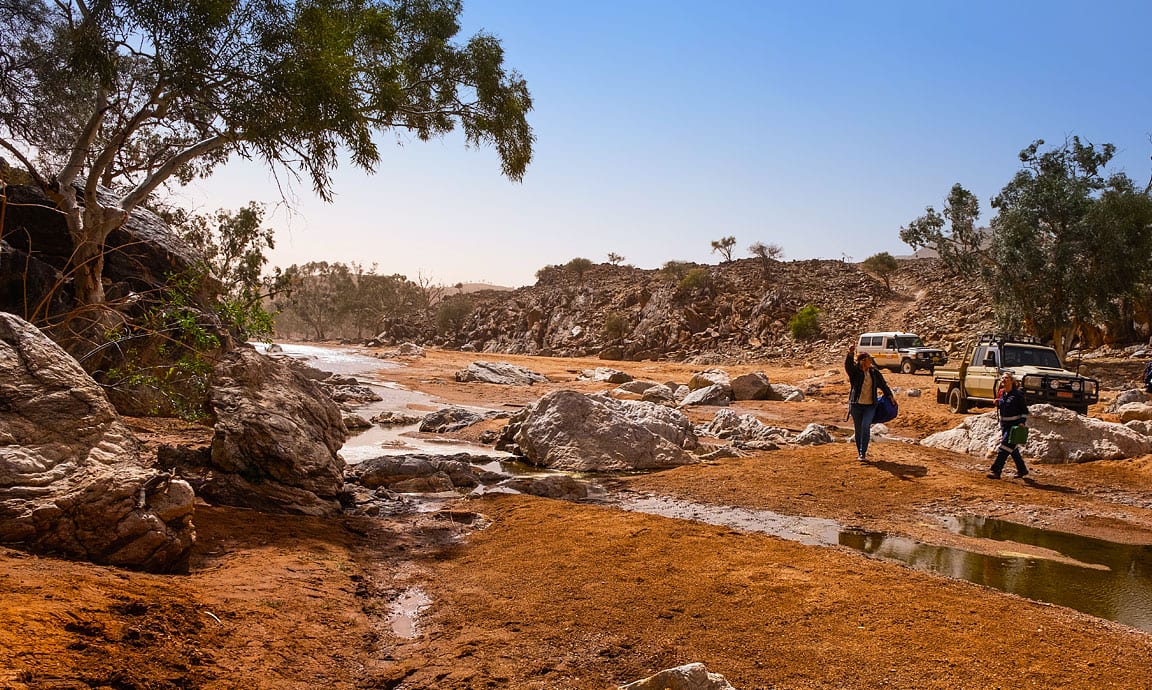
(355,421)
(813,435)
(606,375)
(394,418)
(1055,436)
(73,480)
(660,394)
(710,377)
(715,394)
(404,472)
(276,439)
(571,431)
(558,486)
(1135,411)
(499,372)
(451,419)
(1132,395)
(638,387)
(693,676)
(753,386)
(727,424)
(786,393)
(352,393)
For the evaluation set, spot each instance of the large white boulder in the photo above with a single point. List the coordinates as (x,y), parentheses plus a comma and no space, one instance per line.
(1055,436)
(568,430)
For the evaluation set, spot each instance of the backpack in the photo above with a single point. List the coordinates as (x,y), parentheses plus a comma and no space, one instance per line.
(1148,377)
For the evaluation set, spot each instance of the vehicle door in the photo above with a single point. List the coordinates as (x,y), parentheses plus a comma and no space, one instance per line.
(983,372)
(888,356)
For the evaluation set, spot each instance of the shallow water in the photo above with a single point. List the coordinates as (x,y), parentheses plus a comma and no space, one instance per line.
(1097,577)
(379,440)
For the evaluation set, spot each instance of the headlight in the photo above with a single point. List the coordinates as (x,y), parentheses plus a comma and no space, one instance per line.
(1053,384)
(1090,387)
(1076,386)
(1031,382)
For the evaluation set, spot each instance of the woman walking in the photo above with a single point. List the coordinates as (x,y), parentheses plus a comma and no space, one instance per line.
(864,379)
(1013,410)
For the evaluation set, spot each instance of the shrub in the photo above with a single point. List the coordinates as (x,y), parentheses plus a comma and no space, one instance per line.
(616,326)
(451,313)
(579,266)
(695,279)
(805,324)
(676,270)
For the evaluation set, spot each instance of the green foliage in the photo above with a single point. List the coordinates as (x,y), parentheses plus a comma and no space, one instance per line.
(318,295)
(547,272)
(579,266)
(232,247)
(616,326)
(169,353)
(451,314)
(805,324)
(724,246)
(695,279)
(1068,245)
(133,95)
(883,265)
(676,270)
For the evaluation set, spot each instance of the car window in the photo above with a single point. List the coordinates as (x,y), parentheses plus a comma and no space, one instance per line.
(978,356)
(1016,356)
(909,341)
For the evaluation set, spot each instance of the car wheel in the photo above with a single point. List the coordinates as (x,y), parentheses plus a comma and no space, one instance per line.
(907,367)
(956,401)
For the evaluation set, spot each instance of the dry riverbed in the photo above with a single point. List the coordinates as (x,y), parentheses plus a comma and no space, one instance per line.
(508,591)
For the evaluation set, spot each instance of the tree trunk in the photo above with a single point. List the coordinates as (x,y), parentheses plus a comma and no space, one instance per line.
(88,227)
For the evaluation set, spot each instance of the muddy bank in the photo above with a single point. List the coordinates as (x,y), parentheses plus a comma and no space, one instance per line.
(525,592)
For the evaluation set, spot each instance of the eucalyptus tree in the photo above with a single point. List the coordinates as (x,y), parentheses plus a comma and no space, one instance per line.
(883,265)
(129,95)
(724,246)
(1068,245)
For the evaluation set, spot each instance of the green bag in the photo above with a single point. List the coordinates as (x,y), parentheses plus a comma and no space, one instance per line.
(1018,435)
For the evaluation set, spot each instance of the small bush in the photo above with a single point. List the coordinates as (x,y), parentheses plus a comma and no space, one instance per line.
(616,326)
(695,279)
(805,324)
(676,270)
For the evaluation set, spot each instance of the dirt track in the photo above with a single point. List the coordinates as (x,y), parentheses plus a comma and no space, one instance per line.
(560,595)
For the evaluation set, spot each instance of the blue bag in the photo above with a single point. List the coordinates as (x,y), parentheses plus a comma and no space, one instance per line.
(886,410)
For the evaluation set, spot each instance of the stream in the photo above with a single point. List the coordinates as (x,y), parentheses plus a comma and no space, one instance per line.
(1101,578)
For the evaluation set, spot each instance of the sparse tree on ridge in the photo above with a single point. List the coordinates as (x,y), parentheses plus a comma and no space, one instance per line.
(724,246)
(615,259)
(579,266)
(883,265)
(133,95)
(767,254)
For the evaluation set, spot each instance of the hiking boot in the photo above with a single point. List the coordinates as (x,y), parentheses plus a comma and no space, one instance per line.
(1022,476)
(992,475)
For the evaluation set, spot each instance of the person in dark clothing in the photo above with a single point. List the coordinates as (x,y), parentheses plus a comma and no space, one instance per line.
(1013,410)
(864,379)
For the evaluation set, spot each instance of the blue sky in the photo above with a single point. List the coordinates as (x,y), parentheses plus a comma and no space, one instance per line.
(661,126)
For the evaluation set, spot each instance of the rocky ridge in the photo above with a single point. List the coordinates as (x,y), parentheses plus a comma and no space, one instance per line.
(735,311)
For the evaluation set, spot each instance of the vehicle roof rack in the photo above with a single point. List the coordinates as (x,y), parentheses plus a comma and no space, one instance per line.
(1002,338)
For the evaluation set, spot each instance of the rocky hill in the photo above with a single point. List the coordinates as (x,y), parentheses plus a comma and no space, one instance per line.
(735,311)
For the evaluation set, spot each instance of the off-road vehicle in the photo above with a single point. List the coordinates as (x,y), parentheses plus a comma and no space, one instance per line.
(903,352)
(1035,367)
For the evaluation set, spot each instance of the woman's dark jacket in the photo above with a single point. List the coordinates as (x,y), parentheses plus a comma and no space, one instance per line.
(856,378)
(1013,407)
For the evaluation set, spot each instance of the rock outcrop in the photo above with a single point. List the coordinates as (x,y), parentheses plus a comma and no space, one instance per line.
(571,431)
(73,481)
(688,677)
(276,439)
(1055,436)
(500,373)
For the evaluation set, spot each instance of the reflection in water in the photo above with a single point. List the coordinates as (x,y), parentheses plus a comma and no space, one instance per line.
(1100,578)
(1114,582)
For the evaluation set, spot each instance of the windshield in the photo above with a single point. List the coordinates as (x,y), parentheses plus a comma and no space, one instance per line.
(1024,356)
(903,341)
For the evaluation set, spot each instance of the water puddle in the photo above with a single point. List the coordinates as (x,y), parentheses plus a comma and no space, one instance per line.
(1097,577)
(404,613)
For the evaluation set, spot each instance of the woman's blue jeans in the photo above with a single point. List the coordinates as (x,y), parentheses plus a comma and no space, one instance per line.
(862,424)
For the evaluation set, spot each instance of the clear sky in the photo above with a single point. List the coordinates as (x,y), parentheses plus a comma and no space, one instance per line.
(662,125)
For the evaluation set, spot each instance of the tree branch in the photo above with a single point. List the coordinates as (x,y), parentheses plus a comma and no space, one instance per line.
(27,163)
(142,190)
